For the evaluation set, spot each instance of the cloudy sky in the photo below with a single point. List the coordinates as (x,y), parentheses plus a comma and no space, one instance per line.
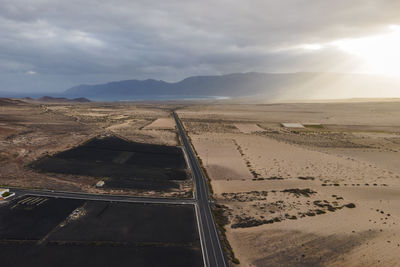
(50,45)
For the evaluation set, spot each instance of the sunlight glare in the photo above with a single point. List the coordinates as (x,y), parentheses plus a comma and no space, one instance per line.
(380,53)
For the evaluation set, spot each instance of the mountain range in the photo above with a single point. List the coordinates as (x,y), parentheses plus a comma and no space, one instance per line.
(251,85)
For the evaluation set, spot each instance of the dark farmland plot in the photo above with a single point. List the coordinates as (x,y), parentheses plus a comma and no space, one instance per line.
(31,218)
(121,163)
(132,223)
(116,143)
(105,255)
(104,234)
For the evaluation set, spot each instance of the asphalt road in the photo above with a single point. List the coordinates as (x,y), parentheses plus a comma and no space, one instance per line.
(211,245)
(86,196)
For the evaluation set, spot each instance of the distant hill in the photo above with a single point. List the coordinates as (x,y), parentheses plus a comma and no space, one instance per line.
(244,85)
(10,102)
(80,100)
(63,99)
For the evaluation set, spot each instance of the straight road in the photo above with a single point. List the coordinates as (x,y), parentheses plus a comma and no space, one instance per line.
(114,198)
(212,250)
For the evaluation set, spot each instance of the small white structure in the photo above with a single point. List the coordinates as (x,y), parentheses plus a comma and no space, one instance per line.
(292,125)
(100,184)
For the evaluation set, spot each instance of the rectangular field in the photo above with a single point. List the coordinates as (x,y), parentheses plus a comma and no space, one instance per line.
(31,218)
(82,255)
(121,164)
(131,223)
(43,231)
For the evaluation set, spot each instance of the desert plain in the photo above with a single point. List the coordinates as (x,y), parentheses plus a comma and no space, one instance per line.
(322,195)
(325,194)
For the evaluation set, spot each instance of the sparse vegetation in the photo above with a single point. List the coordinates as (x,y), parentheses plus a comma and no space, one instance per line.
(300,192)
(221,220)
(248,163)
(306,178)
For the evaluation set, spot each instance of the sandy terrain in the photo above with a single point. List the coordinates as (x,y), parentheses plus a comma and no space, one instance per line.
(29,131)
(133,122)
(162,123)
(222,160)
(325,195)
(248,127)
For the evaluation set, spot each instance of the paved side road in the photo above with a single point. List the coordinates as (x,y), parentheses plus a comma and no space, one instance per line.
(212,250)
(114,198)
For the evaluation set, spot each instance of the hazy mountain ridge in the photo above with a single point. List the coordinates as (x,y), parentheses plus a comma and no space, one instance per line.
(252,84)
(63,99)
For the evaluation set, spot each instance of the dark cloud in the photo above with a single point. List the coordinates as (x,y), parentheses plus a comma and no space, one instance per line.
(52,45)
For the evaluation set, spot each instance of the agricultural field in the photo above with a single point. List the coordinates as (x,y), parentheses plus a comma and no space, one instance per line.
(43,231)
(120,164)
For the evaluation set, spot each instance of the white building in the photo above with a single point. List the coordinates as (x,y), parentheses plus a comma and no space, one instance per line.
(292,125)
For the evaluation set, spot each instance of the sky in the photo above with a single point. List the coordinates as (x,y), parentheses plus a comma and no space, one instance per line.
(50,45)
